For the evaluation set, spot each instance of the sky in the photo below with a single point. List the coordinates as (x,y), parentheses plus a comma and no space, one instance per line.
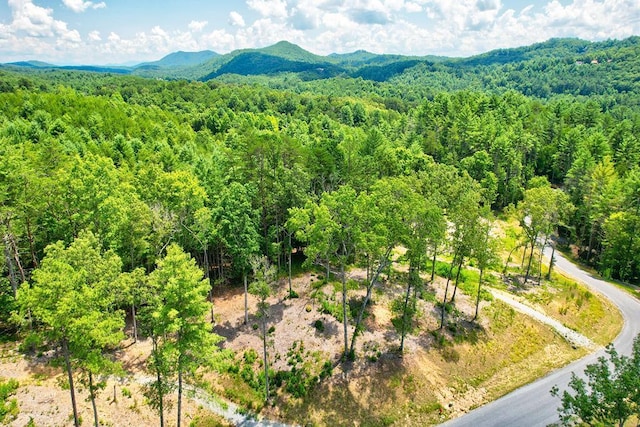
(72,32)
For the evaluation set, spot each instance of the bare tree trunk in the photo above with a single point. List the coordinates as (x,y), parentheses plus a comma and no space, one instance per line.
(179,394)
(344,310)
(92,396)
(533,246)
(478,296)
(370,286)
(446,290)
(455,287)
(207,275)
(266,359)
(551,261)
(9,261)
(221,265)
(406,307)
(433,265)
(72,390)
(590,247)
(540,259)
(135,323)
(368,267)
(246,299)
(159,388)
(506,264)
(290,251)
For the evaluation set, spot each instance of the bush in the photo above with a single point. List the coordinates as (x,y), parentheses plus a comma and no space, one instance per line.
(31,343)
(327,370)
(318,325)
(250,356)
(8,406)
(246,373)
(608,392)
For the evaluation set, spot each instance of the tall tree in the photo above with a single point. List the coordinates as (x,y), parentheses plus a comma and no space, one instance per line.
(609,396)
(541,211)
(132,290)
(332,231)
(264,276)
(239,231)
(72,298)
(484,252)
(179,316)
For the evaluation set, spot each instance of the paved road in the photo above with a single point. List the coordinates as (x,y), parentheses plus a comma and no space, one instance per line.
(533,405)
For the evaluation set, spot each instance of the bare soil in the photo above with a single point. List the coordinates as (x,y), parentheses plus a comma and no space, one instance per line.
(440,375)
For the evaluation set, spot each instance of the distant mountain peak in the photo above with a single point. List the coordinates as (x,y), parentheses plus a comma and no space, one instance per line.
(181,59)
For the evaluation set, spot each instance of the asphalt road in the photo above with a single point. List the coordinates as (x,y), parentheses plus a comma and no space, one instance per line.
(533,405)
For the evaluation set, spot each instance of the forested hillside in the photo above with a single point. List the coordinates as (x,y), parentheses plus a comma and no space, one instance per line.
(559,66)
(138,188)
(145,131)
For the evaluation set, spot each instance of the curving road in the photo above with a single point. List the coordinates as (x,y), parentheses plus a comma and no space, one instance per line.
(533,405)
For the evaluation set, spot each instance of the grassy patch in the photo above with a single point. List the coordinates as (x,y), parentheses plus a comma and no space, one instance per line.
(206,419)
(577,307)
(514,351)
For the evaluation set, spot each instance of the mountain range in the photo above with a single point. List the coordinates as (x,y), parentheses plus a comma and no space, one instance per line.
(517,68)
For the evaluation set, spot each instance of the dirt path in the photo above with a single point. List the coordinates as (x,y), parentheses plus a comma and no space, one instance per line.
(570,335)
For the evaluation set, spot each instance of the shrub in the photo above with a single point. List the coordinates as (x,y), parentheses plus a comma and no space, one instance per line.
(318,325)
(8,406)
(250,356)
(327,370)
(31,343)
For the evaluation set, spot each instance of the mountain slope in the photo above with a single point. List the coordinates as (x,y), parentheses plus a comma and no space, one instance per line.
(181,59)
(554,67)
(257,63)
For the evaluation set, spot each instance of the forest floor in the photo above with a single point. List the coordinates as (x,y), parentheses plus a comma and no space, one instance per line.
(441,374)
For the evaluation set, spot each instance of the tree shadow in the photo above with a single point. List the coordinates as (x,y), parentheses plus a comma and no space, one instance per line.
(226,330)
(330,328)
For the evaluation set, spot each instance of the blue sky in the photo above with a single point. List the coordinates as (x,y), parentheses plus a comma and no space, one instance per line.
(125,31)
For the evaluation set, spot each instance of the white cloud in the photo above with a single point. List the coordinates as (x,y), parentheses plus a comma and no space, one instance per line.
(412,7)
(236,19)
(269,8)
(415,27)
(81,5)
(113,37)
(197,26)
(94,36)
(159,32)
(30,20)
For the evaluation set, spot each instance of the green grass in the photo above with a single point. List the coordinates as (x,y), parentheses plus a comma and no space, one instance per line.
(8,406)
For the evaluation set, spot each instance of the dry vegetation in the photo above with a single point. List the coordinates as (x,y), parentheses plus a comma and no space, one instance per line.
(442,374)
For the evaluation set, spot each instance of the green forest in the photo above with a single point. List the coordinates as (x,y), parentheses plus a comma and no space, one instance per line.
(133,199)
